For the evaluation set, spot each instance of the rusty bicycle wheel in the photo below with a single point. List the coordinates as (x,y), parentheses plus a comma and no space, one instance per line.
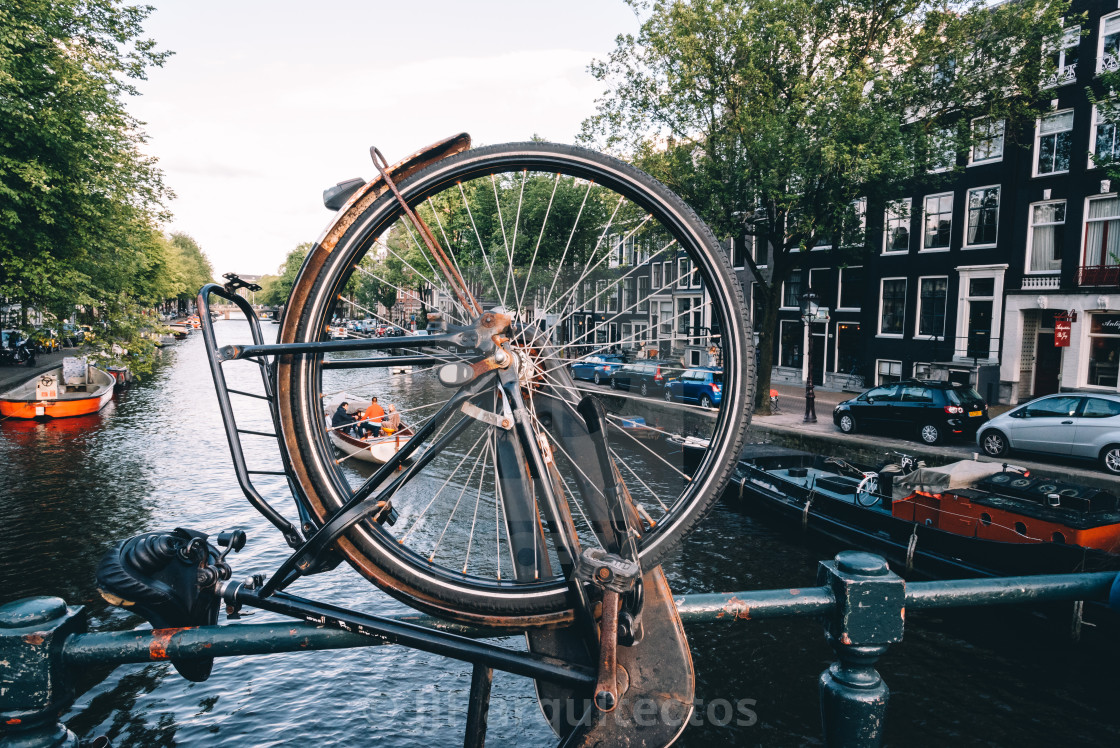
(568,260)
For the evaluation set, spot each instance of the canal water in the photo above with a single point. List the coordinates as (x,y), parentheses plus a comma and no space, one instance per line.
(156,458)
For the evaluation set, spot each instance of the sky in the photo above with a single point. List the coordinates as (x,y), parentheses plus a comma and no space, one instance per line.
(265,104)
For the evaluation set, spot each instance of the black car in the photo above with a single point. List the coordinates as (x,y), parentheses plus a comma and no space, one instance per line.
(929,410)
(646,377)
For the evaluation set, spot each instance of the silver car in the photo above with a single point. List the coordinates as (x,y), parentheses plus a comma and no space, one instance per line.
(1067,425)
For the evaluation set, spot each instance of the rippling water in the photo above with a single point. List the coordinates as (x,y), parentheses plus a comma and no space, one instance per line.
(156,458)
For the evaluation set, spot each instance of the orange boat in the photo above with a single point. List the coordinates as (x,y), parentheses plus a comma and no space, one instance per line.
(73,389)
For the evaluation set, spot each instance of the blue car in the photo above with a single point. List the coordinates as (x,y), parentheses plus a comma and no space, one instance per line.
(597,368)
(700,386)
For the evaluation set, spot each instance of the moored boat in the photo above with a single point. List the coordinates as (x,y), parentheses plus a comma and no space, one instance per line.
(965,519)
(73,389)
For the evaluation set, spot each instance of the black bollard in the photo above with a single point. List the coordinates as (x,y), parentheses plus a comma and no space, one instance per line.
(867,618)
(37,687)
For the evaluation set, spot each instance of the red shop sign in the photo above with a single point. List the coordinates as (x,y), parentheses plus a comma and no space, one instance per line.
(1061,333)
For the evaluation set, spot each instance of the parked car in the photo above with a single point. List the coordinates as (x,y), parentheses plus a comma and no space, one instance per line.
(1082,426)
(930,410)
(702,386)
(597,368)
(646,377)
(45,339)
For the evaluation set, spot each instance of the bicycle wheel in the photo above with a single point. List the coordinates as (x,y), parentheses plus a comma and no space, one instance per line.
(575,254)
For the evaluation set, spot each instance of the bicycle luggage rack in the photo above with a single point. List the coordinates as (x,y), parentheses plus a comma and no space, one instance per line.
(229,419)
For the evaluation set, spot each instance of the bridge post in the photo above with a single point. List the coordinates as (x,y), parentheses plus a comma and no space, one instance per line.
(867,618)
(37,688)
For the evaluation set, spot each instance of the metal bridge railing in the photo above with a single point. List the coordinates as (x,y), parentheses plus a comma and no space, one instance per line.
(862,603)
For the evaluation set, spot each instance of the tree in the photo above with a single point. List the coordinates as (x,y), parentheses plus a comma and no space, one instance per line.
(79,201)
(772,117)
(277,292)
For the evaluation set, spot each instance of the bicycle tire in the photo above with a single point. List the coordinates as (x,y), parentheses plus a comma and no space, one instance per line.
(369,547)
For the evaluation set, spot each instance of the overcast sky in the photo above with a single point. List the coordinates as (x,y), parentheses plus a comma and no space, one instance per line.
(264,104)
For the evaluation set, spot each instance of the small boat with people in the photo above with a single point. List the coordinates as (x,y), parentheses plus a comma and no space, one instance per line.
(967,518)
(73,389)
(364,430)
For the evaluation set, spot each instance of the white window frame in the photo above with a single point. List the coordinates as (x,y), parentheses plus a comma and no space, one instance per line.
(879,370)
(682,272)
(860,207)
(1071,37)
(615,244)
(600,295)
(968,214)
(1112,63)
(918,334)
(642,299)
(656,275)
(840,290)
(918,366)
(1030,235)
(1094,123)
(879,321)
(1085,221)
(1038,138)
(937,141)
(952,207)
(782,301)
(892,214)
(972,160)
(693,275)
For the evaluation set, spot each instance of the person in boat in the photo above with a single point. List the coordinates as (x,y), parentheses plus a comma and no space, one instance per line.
(343,417)
(392,422)
(372,419)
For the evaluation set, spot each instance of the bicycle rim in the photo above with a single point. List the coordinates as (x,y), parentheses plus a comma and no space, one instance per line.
(560,239)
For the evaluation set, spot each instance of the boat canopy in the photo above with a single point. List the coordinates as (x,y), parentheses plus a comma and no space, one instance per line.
(963,474)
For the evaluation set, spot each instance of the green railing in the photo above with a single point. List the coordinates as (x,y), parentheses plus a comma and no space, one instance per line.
(43,642)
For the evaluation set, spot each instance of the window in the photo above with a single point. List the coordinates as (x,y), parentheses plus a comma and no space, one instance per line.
(851,288)
(1053,407)
(656,275)
(921,371)
(600,291)
(630,251)
(740,249)
(987,140)
(791,291)
(887,372)
(1044,241)
(789,350)
(1104,350)
(896,233)
(615,244)
(683,270)
(818,284)
(853,230)
(1053,143)
(1108,55)
(1102,232)
(643,293)
(916,393)
(983,216)
(1104,148)
(892,296)
(938,221)
(1098,407)
(668,272)
(942,150)
(1063,55)
(683,317)
(613,291)
(932,293)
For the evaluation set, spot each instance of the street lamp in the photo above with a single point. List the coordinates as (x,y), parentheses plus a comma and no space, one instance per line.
(809,309)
